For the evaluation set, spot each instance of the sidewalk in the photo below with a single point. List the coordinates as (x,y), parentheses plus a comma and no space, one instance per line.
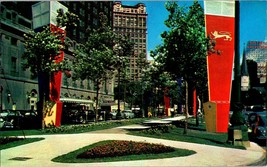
(40,153)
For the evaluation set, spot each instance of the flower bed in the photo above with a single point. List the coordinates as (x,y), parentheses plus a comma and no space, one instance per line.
(123,148)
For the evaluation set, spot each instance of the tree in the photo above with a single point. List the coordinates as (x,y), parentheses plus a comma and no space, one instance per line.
(99,57)
(42,56)
(123,50)
(184,50)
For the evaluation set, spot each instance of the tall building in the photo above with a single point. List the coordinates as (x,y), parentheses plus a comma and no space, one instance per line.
(132,21)
(18,89)
(88,12)
(257,51)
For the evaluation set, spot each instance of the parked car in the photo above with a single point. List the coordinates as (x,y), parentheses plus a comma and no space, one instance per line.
(246,115)
(11,119)
(127,114)
(113,114)
(255,108)
(30,120)
(74,116)
(4,124)
(90,115)
(137,112)
(257,125)
(103,115)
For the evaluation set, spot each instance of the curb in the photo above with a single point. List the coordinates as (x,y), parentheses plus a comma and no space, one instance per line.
(262,160)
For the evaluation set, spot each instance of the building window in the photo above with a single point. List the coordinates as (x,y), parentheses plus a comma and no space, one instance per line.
(81,84)
(13,65)
(95,21)
(74,84)
(74,6)
(89,85)
(95,11)
(8,15)
(14,41)
(82,12)
(81,23)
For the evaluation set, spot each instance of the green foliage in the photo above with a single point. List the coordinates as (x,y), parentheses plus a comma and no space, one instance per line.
(42,51)
(184,49)
(237,118)
(66,20)
(102,54)
(43,48)
(193,136)
(183,53)
(69,129)
(100,57)
(159,130)
(8,142)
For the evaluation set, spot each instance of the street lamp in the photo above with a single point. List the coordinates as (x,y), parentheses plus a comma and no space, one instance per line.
(118,48)
(8,96)
(1,91)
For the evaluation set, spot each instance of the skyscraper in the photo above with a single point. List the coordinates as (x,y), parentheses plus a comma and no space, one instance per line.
(257,51)
(132,21)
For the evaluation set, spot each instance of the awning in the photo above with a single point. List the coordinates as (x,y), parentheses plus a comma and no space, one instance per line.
(72,100)
(108,104)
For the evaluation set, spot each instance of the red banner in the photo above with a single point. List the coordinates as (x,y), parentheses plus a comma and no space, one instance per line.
(220,26)
(55,82)
(167,101)
(194,102)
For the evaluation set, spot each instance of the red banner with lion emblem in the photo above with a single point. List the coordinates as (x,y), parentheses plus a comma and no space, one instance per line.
(220,27)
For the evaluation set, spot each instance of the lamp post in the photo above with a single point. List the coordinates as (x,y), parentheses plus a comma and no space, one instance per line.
(119,110)
(1,91)
(119,51)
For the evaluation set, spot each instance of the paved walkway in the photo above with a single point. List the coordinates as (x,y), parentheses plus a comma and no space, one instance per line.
(39,154)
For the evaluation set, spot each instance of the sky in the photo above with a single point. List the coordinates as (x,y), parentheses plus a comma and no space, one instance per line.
(253,20)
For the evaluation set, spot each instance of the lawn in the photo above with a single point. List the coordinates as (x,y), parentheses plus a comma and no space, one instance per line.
(9,142)
(194,135)
(72,129)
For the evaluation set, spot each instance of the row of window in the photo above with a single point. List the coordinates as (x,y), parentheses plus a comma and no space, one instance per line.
(15,18)
(129,21)
(129,10)
(85,84)
(130,30)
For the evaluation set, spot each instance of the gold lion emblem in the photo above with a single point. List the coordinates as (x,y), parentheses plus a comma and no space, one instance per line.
(222,34)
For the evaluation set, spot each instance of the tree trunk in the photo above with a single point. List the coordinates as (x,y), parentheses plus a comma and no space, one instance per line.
(44,92)
(198,110)
(97,96)
(186,107)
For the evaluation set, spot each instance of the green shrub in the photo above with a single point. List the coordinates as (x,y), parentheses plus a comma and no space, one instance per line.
(6,140)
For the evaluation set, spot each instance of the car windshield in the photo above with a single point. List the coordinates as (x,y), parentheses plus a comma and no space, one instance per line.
(263,117)
(264,120)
